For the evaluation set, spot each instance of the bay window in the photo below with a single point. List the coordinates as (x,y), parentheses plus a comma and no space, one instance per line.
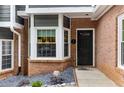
(49,37)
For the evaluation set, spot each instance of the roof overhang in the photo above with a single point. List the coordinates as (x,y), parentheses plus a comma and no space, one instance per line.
(73,12)
(99,11)
(58,10)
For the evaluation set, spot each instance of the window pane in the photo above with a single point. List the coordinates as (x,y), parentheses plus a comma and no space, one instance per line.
(122,53)
(51,36)
(6,47)
(6,62)
(5,33)
(122,30)
(66,43)
(122,35)
(66,22)
(46,35)
(53,50)
(123,25)
(46,20)
(65,49)
(66,36)
(46,46)
(46,50)
(6,54)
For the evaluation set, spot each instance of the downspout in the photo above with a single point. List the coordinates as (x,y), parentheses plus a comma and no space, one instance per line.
(12,11)
(19,44)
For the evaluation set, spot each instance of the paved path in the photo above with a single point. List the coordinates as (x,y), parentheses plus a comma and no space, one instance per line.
(92,77)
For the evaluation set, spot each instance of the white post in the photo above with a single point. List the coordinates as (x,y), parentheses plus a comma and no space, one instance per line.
(120,18)
(33,39)
(60,38)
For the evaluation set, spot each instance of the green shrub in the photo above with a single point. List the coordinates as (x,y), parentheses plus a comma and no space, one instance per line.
(37,84)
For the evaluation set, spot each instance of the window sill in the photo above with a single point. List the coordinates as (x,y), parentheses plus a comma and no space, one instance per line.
(53,60)
(44,58)
(67,57)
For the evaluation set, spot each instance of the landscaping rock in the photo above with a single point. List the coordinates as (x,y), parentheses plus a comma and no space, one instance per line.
(63,79)
(23,83)
(56,80)
(72,83)
(56,73)
(63,84)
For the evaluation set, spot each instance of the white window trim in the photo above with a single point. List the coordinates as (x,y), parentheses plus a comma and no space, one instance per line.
(59,37)
(33,41)
(69,43)
(12,49)
(120,18)
(34,57)
(41,28)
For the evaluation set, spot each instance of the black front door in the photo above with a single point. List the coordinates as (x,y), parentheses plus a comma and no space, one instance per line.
(85,47)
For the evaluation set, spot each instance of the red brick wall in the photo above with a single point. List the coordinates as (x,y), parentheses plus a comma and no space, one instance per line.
(24,37)
(41,67)
(106,45)
(15,54)
(4,75)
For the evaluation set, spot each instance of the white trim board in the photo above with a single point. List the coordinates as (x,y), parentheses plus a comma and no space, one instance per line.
(59,10)
(120,18)
(93,29)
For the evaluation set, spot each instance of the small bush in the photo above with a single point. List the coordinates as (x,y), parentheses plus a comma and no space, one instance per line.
(37,84)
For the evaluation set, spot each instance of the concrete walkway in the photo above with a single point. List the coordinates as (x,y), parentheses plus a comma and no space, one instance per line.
(92,77)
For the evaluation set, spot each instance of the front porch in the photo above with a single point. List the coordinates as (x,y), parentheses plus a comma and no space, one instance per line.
(92,77)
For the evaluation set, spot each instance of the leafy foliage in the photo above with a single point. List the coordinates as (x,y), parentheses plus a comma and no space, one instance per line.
(37,84)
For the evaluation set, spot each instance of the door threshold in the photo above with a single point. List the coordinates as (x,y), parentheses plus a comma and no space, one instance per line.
(87,67)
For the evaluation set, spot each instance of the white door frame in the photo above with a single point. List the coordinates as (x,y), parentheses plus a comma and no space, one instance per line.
(93,29)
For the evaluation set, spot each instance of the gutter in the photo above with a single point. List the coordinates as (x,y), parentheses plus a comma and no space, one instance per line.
(19,44)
